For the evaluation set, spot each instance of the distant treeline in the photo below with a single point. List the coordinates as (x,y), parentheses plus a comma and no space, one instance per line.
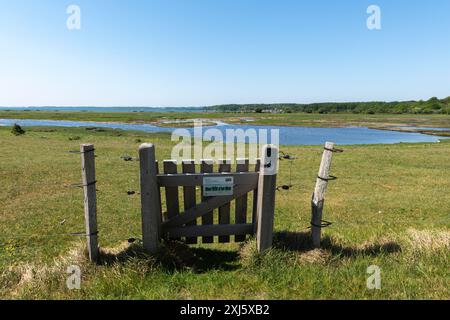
(433,105)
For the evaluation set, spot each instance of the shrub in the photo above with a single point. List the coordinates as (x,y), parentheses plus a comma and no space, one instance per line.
(17,130)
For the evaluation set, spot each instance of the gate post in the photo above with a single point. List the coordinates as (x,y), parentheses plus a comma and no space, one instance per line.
(150,201)
(266,197)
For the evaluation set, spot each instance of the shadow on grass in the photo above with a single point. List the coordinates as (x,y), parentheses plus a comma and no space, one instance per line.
(175,256)
(301,242)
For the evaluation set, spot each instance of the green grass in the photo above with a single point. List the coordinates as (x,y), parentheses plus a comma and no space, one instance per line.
(390,207)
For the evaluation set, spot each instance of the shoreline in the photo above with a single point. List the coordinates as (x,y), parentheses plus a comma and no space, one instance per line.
(331,120)
(178,123)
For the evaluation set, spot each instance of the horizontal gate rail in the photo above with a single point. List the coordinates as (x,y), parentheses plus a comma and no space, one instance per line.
(207,206)
(209,230)
(196,179)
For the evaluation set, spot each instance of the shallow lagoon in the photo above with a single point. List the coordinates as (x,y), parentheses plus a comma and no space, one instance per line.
(294,135)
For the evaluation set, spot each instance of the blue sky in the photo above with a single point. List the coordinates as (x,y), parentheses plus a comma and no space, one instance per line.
(204,52)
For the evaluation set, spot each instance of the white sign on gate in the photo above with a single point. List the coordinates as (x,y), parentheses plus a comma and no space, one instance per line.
(218,186)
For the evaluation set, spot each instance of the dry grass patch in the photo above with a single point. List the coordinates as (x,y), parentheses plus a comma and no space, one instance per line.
(248,253)
(31,277)
(428,240)
(316,256)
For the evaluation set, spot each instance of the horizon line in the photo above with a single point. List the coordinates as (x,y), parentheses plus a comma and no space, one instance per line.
(222,104)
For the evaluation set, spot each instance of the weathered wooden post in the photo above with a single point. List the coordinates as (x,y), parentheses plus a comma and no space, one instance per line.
(150,200)
(319,194)
(90,199)
(266,197)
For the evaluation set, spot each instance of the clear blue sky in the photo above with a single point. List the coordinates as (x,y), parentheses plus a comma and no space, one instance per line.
(203,52)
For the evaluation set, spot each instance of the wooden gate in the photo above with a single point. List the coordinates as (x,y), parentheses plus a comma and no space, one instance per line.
(197,219)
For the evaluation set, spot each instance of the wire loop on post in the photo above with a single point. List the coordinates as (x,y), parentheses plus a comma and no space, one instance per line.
(330,178)
(83,234)
(323,224)
(80,152)
(334,150)
(80,185)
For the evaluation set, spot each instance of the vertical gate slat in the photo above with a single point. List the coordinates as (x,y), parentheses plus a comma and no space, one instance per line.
(172,202)
(255,197)
(240,213)
(224,211)
(207,167)
(159,192)
(189,195)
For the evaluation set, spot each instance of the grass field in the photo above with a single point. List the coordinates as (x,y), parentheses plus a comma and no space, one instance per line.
(390,208)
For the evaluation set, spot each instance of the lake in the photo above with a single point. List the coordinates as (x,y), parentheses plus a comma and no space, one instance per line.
(294,135)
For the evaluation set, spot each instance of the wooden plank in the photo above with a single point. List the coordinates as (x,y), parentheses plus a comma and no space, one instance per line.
(90,199)
(266,197)
(172,202)
(207,167)
(210,230)
(172,195)
(150,200)
(159,191)
(206,207)
(240,214)
(197,179)
(224,211)
(255,197)
(189,196)
(319,194)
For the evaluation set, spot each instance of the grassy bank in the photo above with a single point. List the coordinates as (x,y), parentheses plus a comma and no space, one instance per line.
(285,119)
(390,207)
